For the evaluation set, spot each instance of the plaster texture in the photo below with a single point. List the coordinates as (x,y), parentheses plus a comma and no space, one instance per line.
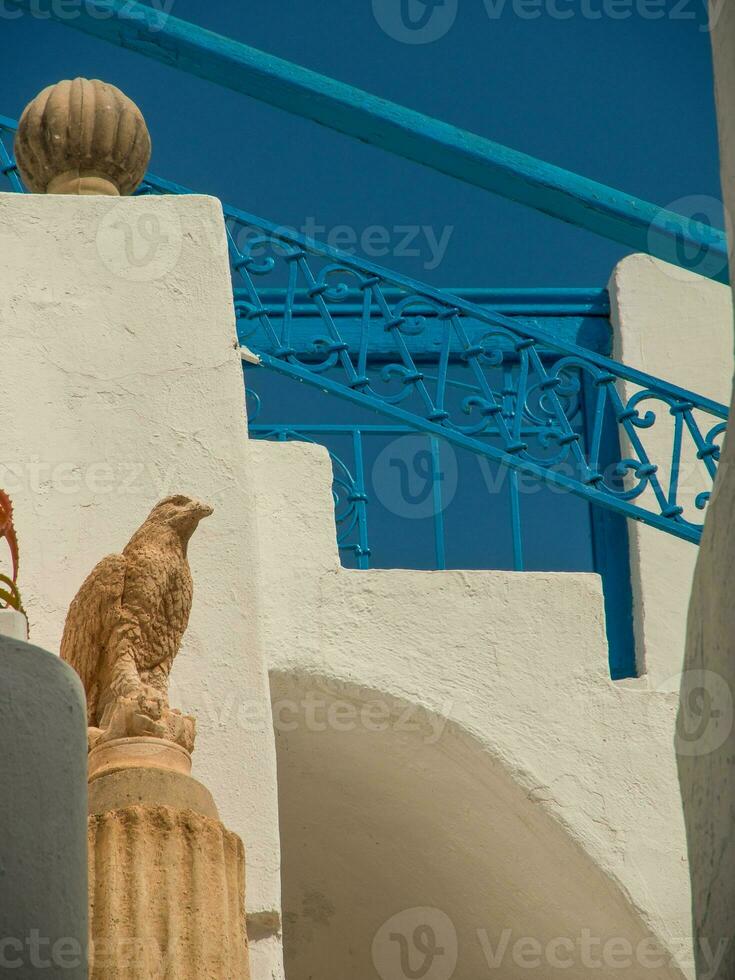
(122,364)
(708,777)
(43,815)
(674,325)
(453,740)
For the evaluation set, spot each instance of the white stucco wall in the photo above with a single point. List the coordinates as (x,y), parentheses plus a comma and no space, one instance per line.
(708,777)
(521,733)
(676,326)
(535,794)
(121,383)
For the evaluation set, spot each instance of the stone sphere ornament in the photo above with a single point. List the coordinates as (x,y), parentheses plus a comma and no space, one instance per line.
(82,137)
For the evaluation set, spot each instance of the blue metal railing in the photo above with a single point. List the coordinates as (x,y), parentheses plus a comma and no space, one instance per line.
(521,388)
(406,499)
(353,440)
(350,489)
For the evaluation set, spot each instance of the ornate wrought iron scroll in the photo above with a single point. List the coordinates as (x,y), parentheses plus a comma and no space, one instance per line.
(524,385)
(521,379)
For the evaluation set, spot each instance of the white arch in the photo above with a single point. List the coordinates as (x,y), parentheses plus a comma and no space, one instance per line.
(385,808)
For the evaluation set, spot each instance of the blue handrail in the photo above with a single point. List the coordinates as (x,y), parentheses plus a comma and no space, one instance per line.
(521,378)
(522,375)
(466,156)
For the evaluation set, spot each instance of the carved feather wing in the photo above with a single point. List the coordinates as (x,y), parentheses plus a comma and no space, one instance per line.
(91,618)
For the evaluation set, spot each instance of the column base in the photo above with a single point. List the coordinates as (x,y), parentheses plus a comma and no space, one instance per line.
(167,881)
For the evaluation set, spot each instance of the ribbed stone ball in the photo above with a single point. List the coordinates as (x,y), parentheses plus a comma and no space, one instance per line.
(82,137)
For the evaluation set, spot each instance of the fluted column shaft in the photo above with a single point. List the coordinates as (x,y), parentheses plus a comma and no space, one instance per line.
(167,896)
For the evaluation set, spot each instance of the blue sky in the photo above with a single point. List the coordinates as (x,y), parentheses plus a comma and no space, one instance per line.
(615,91)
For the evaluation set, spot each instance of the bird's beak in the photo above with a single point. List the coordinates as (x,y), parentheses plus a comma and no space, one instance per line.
(201,510)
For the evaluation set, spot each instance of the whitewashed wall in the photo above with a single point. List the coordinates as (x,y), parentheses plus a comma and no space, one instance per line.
(512,785)
(121,383)
(677,326)
(708,777)
(530,793)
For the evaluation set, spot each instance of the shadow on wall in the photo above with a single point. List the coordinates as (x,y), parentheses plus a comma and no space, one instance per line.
(409,853)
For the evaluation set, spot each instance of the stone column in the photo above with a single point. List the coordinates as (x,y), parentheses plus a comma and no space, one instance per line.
(166,878)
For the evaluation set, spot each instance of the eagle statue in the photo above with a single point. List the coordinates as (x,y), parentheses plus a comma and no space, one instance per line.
(125,626)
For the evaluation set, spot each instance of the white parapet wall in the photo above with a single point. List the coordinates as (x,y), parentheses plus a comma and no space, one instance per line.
(453,757)
(677,326)
(121,383)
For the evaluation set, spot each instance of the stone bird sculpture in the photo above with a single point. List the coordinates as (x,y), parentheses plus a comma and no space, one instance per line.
(125,625)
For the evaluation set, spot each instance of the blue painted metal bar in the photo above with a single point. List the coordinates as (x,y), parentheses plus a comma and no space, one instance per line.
(577,316)
(438,503)
(374,430)
(610,546)
(546,302)
(555,477)
(8,168)
(592,333)
(474,159)
(515,522)
(359,498)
